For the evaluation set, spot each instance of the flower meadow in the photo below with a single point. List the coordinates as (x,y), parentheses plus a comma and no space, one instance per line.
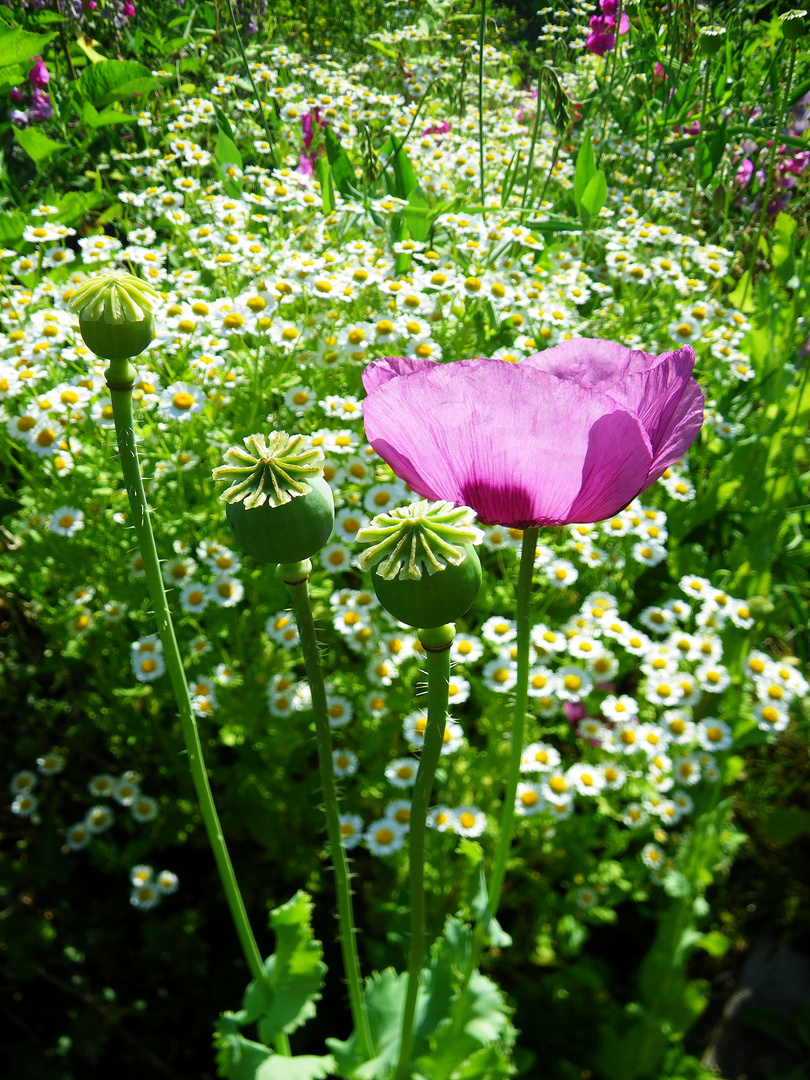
(512,303)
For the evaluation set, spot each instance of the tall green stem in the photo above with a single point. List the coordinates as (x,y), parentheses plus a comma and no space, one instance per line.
(524,625)
(438,665)
(121,395)
(766,197)
(482,34)
(299,594)
(701,136)
(259,99)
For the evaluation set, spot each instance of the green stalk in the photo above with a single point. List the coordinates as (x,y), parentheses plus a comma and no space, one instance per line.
(701,137)
(482,33)
(302,609)
(259,99)
(535,131)
(785,96)
(120,386)
(438,665)
(524,625)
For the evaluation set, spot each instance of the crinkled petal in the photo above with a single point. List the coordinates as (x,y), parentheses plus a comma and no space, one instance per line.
(520,446)
(592,362)
(669,404)
(389,367)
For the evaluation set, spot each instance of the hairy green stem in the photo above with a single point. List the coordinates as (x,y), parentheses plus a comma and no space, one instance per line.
(524,625)
(299,594)
(120,387)
(438,665)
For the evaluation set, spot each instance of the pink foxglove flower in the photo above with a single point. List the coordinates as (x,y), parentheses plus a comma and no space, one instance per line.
(572,434)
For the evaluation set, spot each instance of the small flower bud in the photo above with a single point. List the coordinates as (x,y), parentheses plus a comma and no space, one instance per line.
(711,39)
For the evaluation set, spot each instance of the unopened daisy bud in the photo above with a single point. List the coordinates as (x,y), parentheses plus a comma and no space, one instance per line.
(427,572)
(279,507)
(115,314)
(793,23)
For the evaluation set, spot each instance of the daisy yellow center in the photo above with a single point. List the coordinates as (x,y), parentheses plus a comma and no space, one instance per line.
(182,400)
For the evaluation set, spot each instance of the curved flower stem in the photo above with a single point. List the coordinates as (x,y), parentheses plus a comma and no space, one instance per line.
(299,594)
(524,625)
(121,395)
(438,666)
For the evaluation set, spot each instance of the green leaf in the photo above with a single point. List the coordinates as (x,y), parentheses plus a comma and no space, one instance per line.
(585,170)
(239,1058)
(226,152)
(593,197)
(12,226)
(342,168)
(132,88)
(295,971)
(18,46)
(36,144)
(404,176)
(327,186)
(107,77)
(95,119)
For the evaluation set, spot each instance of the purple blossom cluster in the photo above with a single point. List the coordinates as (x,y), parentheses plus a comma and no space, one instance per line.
(752,163)
(40,107)
(602,36)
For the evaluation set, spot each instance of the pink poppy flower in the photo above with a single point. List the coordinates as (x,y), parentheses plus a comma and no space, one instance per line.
(572,434)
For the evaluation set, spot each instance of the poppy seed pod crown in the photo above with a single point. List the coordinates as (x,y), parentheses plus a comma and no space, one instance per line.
(115,314)
(279,507)
(427,571)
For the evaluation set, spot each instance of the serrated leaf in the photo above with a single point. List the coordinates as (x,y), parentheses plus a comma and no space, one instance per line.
(295,972)
(302,1067)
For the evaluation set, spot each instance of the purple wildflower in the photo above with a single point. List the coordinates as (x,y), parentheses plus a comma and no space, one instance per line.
(39,74)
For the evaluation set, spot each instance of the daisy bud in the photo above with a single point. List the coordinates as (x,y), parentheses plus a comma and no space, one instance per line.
(279,507)
(427,571)
(115,314)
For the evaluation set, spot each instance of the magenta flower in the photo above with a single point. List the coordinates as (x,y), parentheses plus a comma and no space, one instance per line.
(572,434)
(601,38)
(39,74)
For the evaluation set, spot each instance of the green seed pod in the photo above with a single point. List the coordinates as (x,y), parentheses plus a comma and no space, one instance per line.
(433,599)
(115,314)
(279,507)
(794,24)
(288,533)
(427,571)
(711,39)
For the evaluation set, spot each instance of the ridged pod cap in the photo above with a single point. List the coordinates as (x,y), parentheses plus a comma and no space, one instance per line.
(115,314)
(427,571)
(279,507)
